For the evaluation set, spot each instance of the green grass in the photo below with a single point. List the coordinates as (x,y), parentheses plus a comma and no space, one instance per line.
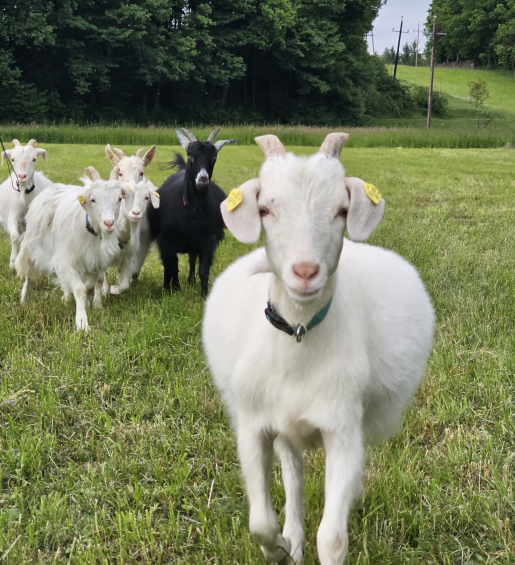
(114,447)
(454,82)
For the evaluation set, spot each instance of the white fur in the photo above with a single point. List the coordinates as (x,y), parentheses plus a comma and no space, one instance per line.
(14,204)
(57,242)
(350,377)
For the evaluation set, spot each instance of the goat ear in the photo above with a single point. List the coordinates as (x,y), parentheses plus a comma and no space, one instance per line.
(111,156)
(85,201)
(42,153)
(244,221)
(149,155)
(363,215)
(6,153)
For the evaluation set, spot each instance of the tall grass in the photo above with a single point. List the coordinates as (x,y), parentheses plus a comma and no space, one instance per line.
(464,134)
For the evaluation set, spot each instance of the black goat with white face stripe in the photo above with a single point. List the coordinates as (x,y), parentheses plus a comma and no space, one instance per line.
(188,219)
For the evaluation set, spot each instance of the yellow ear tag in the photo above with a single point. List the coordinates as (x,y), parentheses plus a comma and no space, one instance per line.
(127,186)
(157,194)
(372,192)
(234,200)
(81,199)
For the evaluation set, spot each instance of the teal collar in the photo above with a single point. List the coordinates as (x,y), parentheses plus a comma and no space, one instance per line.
(298,331)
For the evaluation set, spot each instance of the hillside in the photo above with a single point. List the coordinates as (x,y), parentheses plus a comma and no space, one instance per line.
(455,83)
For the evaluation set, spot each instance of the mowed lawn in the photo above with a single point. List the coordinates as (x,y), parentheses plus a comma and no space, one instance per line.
(455,83)
(114,447)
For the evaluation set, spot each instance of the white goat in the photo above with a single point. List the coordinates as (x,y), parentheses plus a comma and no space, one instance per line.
(72,232)
(367,324)
(131,170)
(19,190)
(132,212)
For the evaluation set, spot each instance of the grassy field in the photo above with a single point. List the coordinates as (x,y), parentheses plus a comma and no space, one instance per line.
(454,82)
(114,447)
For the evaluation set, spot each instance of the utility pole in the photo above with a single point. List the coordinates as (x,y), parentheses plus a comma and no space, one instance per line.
(371,34)
(416,52)
(398,47)
(430,101)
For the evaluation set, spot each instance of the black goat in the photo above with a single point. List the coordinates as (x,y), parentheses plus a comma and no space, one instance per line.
(188,219)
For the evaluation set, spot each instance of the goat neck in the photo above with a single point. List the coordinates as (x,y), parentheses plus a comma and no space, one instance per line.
(295,312)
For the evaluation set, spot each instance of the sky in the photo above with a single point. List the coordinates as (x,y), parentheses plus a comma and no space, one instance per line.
(413,12)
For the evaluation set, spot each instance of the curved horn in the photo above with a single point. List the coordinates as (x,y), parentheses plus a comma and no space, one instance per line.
(16,143)
(212,135)
(271,146)
(114,173)
(120,152)
(189,135)
(93,173)
(333,143)
(32,143)
(139,152)
(220,144)
(184,141)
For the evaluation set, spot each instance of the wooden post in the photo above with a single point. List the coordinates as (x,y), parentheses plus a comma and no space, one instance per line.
(416,52)
(397,56)
(501,104)
(430,101)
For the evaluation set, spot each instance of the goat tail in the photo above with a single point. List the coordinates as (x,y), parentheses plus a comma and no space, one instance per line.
(177,162)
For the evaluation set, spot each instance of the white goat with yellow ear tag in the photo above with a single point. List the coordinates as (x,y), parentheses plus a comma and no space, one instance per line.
(313,338)
(72,232)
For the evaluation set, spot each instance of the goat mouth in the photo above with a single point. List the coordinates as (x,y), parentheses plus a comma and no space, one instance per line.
(304,293)
(202,184)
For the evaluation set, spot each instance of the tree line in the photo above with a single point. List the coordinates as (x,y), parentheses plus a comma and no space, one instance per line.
(192,61)
(478,30)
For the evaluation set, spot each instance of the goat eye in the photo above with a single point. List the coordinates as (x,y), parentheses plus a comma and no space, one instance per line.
(120,174)
(34,160)
(93,201)
(343,212)
(141,174)
(263,211)
(146,197)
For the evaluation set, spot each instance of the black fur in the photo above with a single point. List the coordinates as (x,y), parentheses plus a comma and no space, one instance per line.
(188,219)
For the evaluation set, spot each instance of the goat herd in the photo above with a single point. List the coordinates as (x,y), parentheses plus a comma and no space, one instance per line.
(310,339)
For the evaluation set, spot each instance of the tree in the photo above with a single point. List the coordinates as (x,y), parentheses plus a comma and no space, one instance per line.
(478,91)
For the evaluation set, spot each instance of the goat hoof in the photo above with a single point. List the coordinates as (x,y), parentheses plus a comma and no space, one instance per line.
(280,553)
(81,324)
(11,265)
(115,289)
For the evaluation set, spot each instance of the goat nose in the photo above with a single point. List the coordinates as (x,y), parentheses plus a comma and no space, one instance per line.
(306,270)
(108,223)
(135,212)
(21,176)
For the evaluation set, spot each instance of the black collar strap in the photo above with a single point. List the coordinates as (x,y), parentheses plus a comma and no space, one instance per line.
(89,228)
(298,331)
(30,189)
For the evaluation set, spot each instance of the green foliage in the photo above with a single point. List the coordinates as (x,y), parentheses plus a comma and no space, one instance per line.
(195,61)
(114,446)
(478,92)
(420,98)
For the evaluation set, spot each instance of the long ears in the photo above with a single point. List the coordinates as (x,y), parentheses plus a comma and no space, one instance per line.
(271,146)
(184,141)
(16,143)
(93,173)
(333,143)
(212,135)
(111,156)
(114,173)
(6,153)
(154,196)
(42,153)
(244,221)
(32,142)
(363,215)
(149,155)
(219,144)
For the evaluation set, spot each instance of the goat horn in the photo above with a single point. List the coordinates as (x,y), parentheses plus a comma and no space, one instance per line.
(333,143)
(220,144)
(16,143)
(189,135)
(271,146)
(184,141)
(114,173)
(93,173)
(32,142)
(212,135)
(139,152)
(120,152)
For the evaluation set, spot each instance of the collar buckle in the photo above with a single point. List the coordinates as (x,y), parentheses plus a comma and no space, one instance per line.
(299,333)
